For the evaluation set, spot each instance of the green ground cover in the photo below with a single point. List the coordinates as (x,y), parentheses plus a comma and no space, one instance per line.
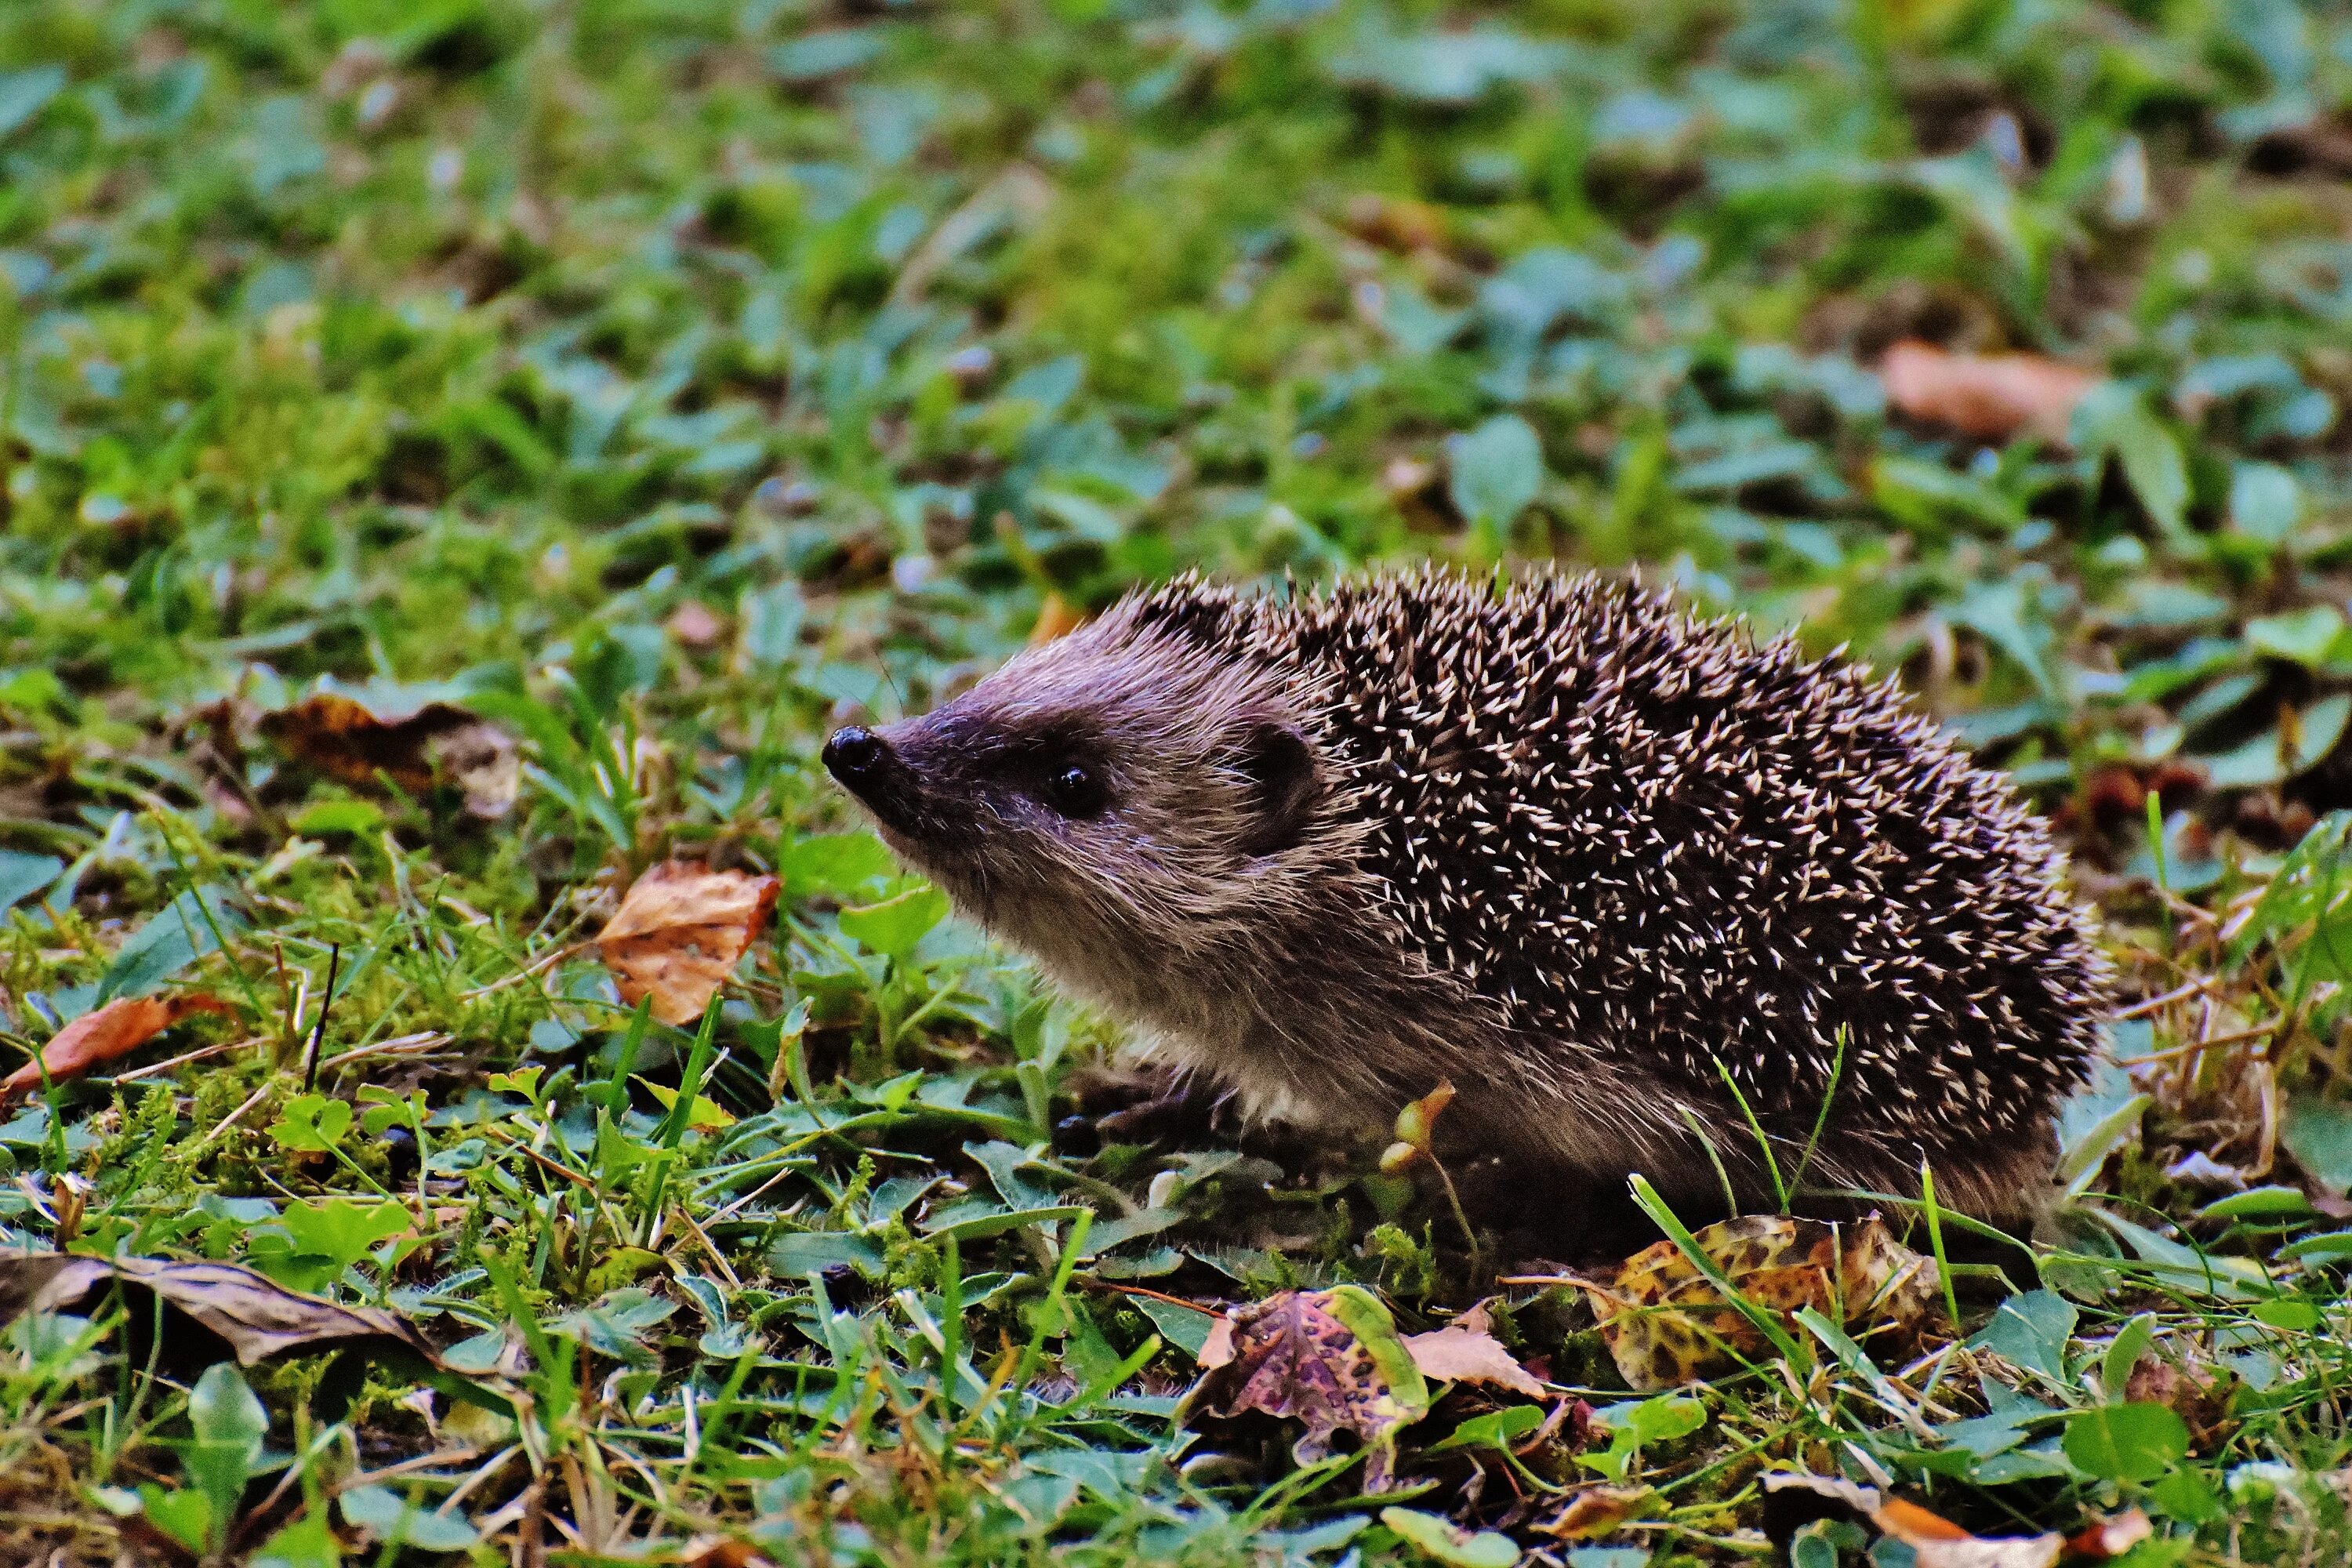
(663,380)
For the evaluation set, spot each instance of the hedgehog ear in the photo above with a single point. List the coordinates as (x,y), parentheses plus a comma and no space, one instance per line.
(1280,767)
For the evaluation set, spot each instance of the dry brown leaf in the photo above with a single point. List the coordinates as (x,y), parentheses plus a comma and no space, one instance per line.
(1460,1355)
(677,935)
(437,743)
(1595,1511)
(1935,1541)
(1465,1351)
(114,1030)
(1665,1324)
(1989,397)
(255,1316)
(1330,1359)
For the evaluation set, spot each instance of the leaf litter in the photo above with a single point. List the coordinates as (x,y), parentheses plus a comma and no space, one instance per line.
(679,934)
(256,1318)
(432,744)
(1990,397)
(1330,1359)
(1666,1323)
(106,1034)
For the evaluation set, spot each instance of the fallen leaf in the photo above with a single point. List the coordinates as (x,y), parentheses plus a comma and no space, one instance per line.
(1990,397)
(677,935)
(256,1317)
(1595,1511)
(1465,1351)
(1448,1542)
(1329,1358)
(2106,1539)
(1935,1541)
(114,1030)
(1416,488)
(1665,1324)
(1908,1522)
(437,743)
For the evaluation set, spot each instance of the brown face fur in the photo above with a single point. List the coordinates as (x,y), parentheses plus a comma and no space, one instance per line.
(1133,814)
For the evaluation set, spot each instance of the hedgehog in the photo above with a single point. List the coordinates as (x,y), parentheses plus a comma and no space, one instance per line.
(1653,896)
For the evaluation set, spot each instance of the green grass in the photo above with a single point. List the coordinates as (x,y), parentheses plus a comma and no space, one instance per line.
(666,379)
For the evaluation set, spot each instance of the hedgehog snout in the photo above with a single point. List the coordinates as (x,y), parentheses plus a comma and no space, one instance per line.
(869,767)
(889,772)
(852,754)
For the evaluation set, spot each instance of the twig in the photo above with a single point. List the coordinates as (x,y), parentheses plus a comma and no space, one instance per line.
(398,1046)
(201,1053)
(410,1466)
(2157,1003)
(541,1161)
(536,966)
(709,1249)
(2191,1047)
(482,1473)
(763,1188)
(530,1534)
(226,1122)
(1099,1283)
(319,1032)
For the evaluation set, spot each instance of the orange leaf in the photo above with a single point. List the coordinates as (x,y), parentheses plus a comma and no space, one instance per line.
(2109,1538)
(678,932)
(114,1030)
(1935,1541)
(1395,224)
(723,1552)
(1910,1522)
(1988,397)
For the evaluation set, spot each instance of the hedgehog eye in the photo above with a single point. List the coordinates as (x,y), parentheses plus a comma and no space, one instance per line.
(1073,791)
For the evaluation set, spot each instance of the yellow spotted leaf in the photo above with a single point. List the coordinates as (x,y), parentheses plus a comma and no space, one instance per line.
(1666,1324)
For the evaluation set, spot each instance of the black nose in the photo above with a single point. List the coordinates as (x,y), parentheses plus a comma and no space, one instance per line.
(852,754)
